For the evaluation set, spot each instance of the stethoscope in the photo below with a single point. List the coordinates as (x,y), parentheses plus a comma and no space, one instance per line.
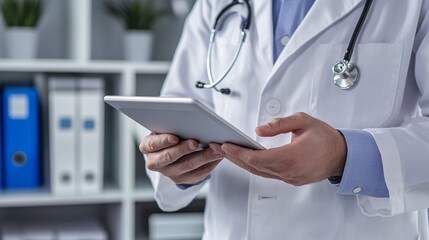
(346,74)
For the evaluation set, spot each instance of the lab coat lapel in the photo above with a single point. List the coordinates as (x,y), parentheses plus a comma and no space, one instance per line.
(264,28)
(322,15)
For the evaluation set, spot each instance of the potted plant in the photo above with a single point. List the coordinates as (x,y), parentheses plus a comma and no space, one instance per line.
(22,18)
(138,17)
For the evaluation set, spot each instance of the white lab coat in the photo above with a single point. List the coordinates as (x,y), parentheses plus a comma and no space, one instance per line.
(390,101)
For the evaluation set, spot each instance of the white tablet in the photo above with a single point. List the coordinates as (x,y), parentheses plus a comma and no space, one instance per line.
(183,117)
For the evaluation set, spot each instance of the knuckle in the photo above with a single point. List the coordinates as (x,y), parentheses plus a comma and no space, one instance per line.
(251,160)
(166,156)
(301,116)
(144,144)
(168,172)
(151,146)
(276,122)
(142,148)
(151,165)
(187,164)
(296,116)
(187,146)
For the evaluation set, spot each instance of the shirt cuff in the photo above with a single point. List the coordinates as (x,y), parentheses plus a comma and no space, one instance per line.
(363,171)
(186,186)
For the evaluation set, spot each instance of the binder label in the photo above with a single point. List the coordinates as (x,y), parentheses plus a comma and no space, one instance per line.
(18,106)
(89,124)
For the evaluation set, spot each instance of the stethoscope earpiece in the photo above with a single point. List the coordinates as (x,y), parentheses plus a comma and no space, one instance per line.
(225,91)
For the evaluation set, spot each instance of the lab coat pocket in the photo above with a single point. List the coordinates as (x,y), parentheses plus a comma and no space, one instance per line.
(367,104)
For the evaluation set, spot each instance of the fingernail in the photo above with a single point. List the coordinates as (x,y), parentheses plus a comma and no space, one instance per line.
(193,145)
(215,149)
(172,140)
(263,127)
(224,148)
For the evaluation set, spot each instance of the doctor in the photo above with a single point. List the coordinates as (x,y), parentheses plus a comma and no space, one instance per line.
(346,164)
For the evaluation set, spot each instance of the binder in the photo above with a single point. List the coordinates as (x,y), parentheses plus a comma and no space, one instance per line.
(21,231)
(1,143)
(21,138)
(91,135)
(169,226)
(62,134)
(79,230)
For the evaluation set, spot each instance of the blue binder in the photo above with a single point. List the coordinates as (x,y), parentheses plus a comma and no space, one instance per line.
(21,138)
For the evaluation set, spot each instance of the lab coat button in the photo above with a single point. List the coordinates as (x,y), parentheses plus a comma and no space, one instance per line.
(284,40)
(357,190)
(273,107)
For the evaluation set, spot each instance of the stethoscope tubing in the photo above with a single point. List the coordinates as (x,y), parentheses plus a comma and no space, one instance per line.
(244,30)
(345,73)
(356,32)
(213,82)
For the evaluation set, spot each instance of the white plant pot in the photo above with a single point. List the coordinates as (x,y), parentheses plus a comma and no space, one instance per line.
(138,45)
(21,43)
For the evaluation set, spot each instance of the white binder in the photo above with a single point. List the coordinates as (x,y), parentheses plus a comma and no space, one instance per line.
(62,134)
(81,230)
(22,231)
(171,226)
(91,135)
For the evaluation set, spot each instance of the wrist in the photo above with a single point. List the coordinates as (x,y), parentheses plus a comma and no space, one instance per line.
(341,155)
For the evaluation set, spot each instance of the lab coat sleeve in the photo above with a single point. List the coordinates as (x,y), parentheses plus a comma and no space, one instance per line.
(188,66)
(405,149)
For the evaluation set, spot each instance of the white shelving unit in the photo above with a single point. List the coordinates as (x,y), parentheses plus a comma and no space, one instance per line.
(127,194)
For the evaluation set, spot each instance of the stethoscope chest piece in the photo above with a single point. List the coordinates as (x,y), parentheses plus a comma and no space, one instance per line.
(345,75)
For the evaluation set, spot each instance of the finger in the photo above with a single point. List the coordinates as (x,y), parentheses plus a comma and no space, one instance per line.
(249,168)
(197,175)
(160,159)
(191,162)
(252,157)
(156,142)
(244,157)
(269,161)
(283,125)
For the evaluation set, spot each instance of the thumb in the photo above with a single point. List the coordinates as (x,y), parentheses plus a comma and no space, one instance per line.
(278,126)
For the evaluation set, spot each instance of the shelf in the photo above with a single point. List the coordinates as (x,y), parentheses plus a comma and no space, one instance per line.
(42,65)
(32,199)
(79,39)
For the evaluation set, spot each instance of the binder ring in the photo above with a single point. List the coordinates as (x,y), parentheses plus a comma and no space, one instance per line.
(19,158)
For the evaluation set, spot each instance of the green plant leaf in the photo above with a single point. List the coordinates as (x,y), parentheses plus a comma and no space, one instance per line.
(135,14)
(21,13)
